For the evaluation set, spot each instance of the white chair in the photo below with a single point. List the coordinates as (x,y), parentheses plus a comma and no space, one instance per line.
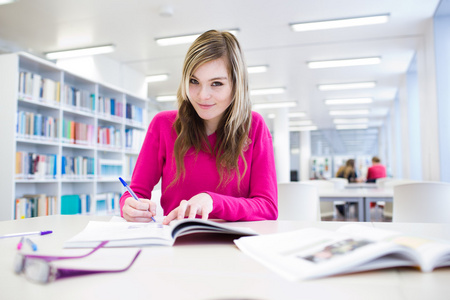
(327,209)
(426,202)
(298,201)
(339,183)
(390,183)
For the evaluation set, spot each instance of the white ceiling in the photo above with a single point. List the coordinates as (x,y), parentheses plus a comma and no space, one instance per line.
(40,26)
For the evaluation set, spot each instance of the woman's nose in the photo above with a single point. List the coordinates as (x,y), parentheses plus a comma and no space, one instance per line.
(204,92)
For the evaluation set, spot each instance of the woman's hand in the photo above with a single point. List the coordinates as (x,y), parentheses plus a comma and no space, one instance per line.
(138,211)
(200,204)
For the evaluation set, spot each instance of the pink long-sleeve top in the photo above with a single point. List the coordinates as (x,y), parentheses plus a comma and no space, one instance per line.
(257,197)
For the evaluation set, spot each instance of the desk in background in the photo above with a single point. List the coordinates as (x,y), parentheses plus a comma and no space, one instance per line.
(213,269)
(361,196)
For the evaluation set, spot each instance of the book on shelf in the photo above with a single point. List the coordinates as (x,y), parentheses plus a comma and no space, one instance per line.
(29,206)
(134,113)
(109,136)
(100,204)
(77,167)
(30,124)
(313,253)
(78,133)
(35,166)
(35,87)
(134,138)
(120,233)
(79,99)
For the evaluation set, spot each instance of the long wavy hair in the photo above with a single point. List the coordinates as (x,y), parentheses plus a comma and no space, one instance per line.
(233,128)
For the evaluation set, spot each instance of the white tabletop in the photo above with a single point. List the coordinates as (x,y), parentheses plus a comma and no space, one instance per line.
(199,268)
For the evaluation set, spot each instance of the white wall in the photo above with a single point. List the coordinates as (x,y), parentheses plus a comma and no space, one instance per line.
(102,69)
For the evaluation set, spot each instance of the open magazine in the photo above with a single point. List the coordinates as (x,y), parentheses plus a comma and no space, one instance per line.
(313,253)
(127,234)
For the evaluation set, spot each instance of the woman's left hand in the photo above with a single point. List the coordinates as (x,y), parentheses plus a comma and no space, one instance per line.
(200,204)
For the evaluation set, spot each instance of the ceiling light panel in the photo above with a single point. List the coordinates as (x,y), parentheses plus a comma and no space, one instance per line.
(340,23)
(184,39)
(352,126)
(300,123)
(347,86)
(303,128)
(344,62)
(297,114)
(270,91)
(348,101)
(352,112)
(166,98)
(274,105)
(156,78)
(80,52)
(351,121)
(257,69)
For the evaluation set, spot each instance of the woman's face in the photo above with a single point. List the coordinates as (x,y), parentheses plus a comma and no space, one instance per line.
(210,92)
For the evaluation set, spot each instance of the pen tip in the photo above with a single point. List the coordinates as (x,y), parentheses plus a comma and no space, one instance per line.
(123,181)
(46,232)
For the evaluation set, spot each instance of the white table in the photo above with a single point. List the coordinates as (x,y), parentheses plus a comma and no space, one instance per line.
(362,196)
(199,268)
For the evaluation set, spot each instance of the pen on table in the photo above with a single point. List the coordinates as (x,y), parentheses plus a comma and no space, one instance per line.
(32,244)
(19,245)
(131,192)
(25,234)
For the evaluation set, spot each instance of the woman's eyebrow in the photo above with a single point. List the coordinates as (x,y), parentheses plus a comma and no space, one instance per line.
(213,79)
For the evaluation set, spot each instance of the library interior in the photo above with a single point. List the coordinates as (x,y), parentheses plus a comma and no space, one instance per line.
(354,95)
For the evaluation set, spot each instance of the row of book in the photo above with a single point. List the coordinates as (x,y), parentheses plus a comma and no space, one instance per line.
(35,87)
(78,133)
(109,106)
(30,124)
(38,205)
(135,113)
(100,204)
(35,166)
(31,165)
(109,136)
(134,138)
(81,99)
(77,167)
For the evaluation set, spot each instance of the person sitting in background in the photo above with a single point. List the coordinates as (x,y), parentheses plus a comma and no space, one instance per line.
(348,172)
(377,170)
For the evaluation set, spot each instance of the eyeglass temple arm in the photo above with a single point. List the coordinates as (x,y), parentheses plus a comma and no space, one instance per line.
(64,273)
(52,258)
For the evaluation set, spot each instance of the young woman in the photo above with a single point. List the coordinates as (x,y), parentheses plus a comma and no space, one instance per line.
(214,155)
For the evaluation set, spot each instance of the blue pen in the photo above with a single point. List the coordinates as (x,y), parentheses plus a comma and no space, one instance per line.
(131,192)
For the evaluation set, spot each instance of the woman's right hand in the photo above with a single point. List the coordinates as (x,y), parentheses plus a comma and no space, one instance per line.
(138,211)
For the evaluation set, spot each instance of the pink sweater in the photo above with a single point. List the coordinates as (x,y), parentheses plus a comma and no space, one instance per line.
(257,198)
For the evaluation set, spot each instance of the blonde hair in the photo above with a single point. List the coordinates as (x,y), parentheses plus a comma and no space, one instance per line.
(233,128)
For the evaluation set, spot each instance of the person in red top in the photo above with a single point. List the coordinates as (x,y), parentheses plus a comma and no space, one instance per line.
(377,170)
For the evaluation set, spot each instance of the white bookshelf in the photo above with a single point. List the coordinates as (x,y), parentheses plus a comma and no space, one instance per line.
(11,65)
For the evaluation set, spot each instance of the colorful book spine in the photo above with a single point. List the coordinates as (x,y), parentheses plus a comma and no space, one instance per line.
(35,166)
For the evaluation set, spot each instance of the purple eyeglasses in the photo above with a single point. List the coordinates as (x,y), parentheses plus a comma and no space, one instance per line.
(38,268)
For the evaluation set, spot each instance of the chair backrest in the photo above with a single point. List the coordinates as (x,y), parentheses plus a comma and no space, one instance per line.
(391,182)
(298,201)
(339,183)
(427,202)
(325,184)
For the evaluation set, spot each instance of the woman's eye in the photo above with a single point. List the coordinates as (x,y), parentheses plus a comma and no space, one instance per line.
(193,81)
(217,83)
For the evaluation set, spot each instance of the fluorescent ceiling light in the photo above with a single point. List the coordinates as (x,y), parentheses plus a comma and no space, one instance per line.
(340,23)
(300,123)
(348,101)
(303,128)
(257,69)
(156,78)
(297,114)
(344,62)
(271,116)
(349,112)
(352,126)
(80,52)
(274,105)
(166,98)
(347,86)
(351,121)
(271,91)
(6,1)
(184,39)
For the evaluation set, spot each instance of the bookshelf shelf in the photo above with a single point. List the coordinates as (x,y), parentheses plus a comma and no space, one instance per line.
(62,116)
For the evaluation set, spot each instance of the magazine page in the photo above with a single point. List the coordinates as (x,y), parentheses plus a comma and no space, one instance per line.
(189,226)
(313,253)
(430,253)
(121,234)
